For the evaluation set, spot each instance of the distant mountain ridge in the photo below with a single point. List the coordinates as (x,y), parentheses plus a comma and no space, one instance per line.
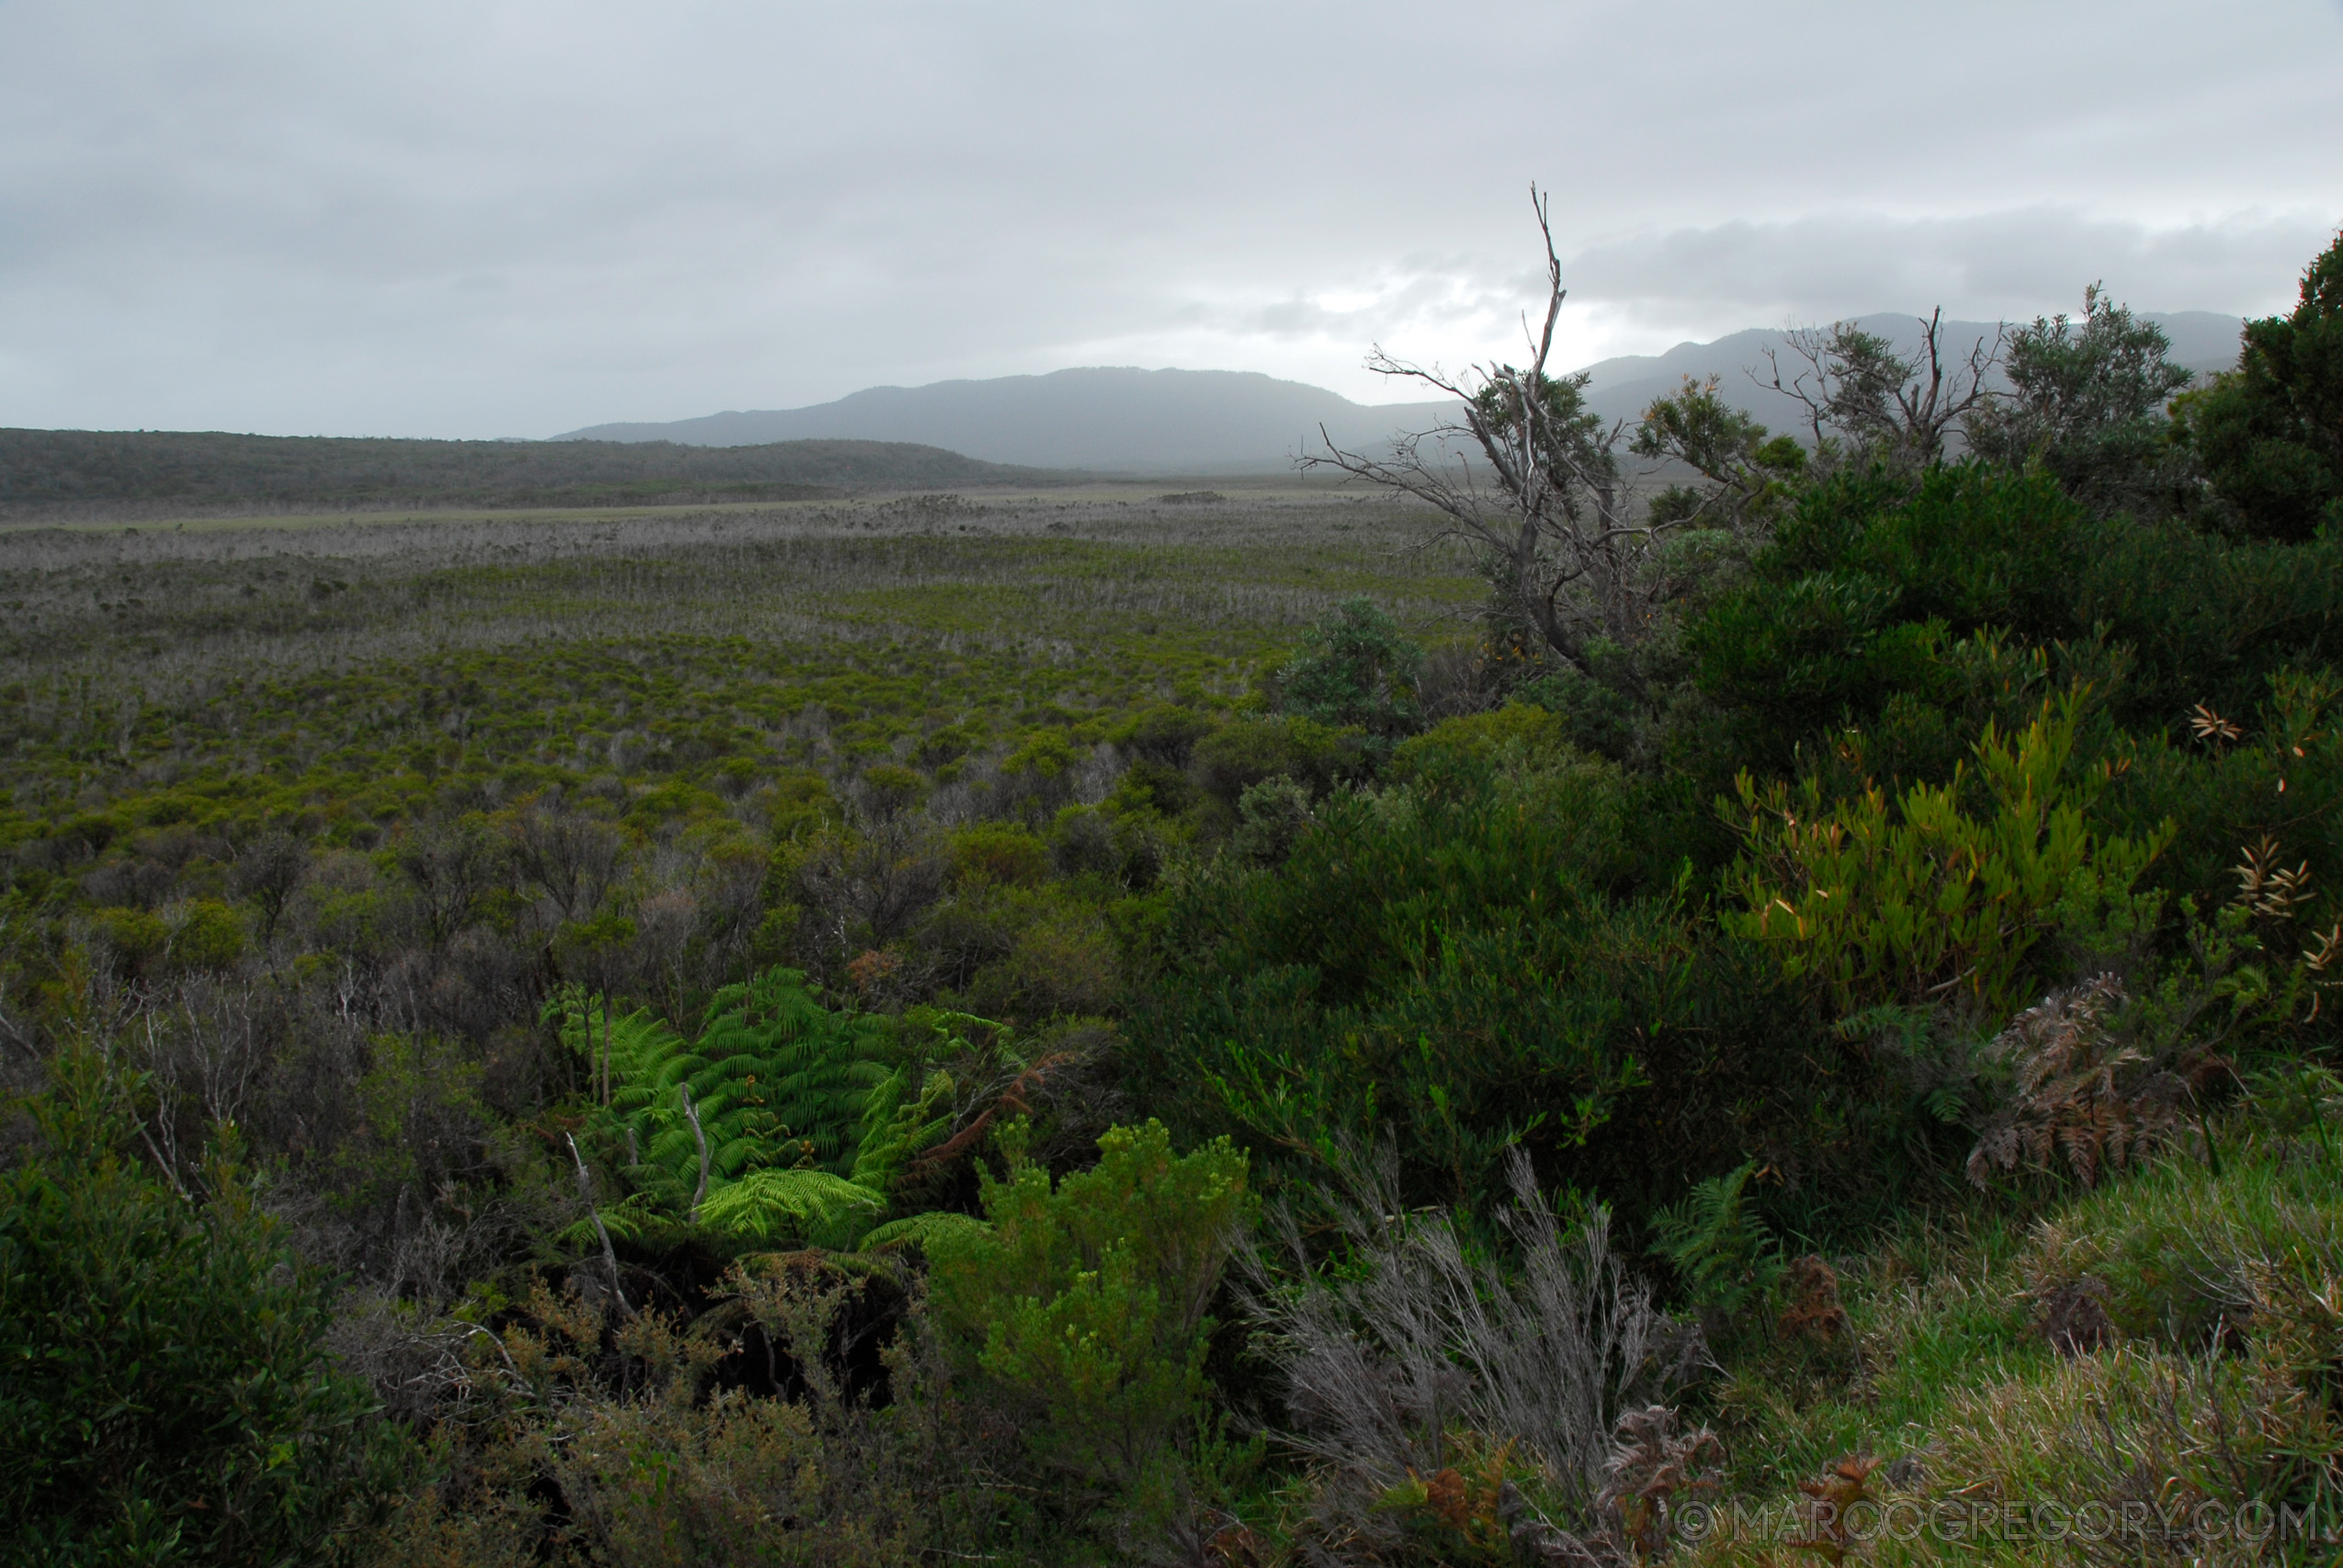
(1120,419)
(1624,386)
(1106,419)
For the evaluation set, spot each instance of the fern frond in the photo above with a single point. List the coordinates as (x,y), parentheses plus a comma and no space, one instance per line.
(810,1205)
(634,1218)
(936,1231)
(894,1133)
(1723,1250)
(781,1085)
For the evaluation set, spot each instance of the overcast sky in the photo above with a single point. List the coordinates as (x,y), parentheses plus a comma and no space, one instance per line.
(492,218)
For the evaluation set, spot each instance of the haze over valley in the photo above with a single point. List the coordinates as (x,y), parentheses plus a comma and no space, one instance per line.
(1170,422)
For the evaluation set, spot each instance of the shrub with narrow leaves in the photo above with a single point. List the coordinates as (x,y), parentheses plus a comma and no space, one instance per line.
(1082,1304)
(1947,892)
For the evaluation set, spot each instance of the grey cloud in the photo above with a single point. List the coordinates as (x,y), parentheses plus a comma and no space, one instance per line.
(2010,263)
(516,216)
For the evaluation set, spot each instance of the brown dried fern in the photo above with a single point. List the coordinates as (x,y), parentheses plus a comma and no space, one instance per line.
(1815,1311)
(2079,1091)
(1830,1505)
(1652,1471)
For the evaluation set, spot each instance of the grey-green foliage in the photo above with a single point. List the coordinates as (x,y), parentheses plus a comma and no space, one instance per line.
(1749,475)
(1355,668)
(1416,1329)
(1868,403)
(2087,402)
(1271,816)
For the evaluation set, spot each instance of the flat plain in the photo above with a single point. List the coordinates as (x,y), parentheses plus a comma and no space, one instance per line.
(354,666)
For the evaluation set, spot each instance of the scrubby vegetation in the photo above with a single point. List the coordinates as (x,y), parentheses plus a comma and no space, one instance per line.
(1176,1029)
(78,474)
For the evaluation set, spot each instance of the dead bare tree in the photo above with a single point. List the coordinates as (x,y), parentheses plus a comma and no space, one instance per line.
(1539,489)
(1864,399)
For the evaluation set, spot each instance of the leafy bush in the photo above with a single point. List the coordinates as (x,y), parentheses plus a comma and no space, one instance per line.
(1945,896)
(1061,960)
(552,1464)
(1437,965)
(1592,714)
(1827,626)
(1518,731)
(2087,403)
(2267,431)
(167,1396)
(1272,816)
(1163,734)
(2266,781)
(1084,1305)
(997,855)
(1233,758)
(1354,669)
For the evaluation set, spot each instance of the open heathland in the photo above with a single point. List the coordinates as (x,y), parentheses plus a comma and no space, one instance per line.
(1704,995)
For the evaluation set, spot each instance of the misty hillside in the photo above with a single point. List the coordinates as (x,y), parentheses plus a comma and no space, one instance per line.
(1131,420)
(1623,386)
(51,473)
(1104,419)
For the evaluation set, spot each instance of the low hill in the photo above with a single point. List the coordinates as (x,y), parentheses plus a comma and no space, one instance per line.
(1110,419)
(1168,422)
(69,473)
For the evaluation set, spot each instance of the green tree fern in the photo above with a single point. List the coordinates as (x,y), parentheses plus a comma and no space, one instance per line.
(752,1129)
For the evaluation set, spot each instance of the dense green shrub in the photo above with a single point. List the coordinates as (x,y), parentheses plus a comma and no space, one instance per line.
(998,855)
(1082,1305)
(2265,781)
(2270,432)
(1354,669)
(165,1394)
(1164,734)
(1233,758)
(1861,605)
(2087,406)
(1944,895)
(1437,964)
(1517,731)
(1866,580)
(2208,619)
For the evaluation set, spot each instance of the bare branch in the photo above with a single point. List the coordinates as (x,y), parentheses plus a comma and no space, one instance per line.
(691,1114)
(609,1253)
(1530,479)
